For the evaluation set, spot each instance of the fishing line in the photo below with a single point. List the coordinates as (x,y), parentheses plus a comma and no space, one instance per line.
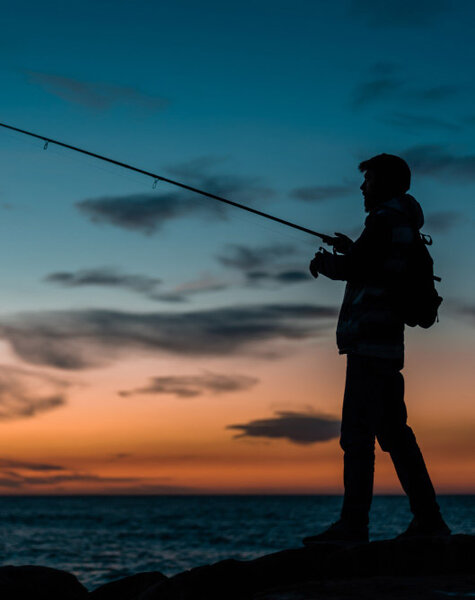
(86,157)
(156,177)
(58,152)
(25,141)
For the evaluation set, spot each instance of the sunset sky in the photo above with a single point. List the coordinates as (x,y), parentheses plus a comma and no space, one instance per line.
(155,341)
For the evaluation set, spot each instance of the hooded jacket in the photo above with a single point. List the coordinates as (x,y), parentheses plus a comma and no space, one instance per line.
(369,323)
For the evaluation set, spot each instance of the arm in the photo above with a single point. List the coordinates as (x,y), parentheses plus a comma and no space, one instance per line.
(365,258)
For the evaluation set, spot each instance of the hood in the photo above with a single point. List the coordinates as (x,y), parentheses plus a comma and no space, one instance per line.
(408,206)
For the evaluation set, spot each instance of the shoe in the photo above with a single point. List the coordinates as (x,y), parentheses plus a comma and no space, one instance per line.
(436,527)
(340,531)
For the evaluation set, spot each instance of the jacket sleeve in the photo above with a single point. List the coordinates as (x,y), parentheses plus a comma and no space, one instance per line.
(364,262)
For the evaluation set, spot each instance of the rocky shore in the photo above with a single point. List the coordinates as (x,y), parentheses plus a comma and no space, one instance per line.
(422,569)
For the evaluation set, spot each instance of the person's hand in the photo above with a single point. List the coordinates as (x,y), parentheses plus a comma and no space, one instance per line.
(314,264)
(342,243)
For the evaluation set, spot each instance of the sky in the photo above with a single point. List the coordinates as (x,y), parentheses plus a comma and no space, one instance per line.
(155,341)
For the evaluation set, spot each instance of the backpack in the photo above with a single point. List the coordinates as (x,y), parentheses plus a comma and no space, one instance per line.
(418,300)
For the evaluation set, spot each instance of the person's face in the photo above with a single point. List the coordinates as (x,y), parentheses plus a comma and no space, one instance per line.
(373,192)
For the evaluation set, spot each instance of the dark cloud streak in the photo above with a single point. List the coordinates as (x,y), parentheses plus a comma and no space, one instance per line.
(386,82)
(88,338)
(96,95)
(300,428)
(437,161)
(190,386)
(416,123)
(147,213)
(141,284)
(404,13)
(26,394)
(374,90)
(320,193)
(107,277)
(245,258)
(442,221)
(258,265)
(443,91)
(183,292)
(464,310)
(286,276)
(7,463)
(12,480)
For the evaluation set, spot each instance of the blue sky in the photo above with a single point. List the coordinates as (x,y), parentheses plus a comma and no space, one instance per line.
(290,95)
(280,97)
(272,104)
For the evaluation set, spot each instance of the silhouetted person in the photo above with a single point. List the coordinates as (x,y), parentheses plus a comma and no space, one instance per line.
(371,333)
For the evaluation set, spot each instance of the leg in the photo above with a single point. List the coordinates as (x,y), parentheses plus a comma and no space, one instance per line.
(397,438)
(357,439)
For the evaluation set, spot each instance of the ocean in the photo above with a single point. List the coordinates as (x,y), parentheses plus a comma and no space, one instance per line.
(102,538)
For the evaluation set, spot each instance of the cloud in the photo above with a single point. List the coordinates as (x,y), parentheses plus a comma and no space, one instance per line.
(88,338)
(285,276)
(25,482)
(436,161)
(75,478)
(183,292)
(100,485)
(239,257)
(385,81)
(96,95)
(463,309)
(106,277)
(292,276)
(375,89)
(147,213)
(141,284)
(16,480)
(7,463)
(258,264)
(443,220)
(10,483)
(320,193)
(469,120)
(121,455)
(443,91)
(300,428)
(404,13)
(198,173)
(244,258)
(190,386)
(25,394)
(419,122)
(196,167)
(382,83)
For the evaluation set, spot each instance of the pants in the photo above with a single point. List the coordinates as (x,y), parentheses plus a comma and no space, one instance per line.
(373,407)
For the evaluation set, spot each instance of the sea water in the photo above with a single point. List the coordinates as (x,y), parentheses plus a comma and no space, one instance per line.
(102,538)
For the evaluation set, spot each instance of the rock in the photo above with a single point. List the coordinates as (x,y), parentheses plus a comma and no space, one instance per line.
(420,556)
(432,587)
(127,588)
(39,583)
(233,579)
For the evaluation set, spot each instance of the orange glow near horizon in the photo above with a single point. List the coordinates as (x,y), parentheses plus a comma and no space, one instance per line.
(101,442)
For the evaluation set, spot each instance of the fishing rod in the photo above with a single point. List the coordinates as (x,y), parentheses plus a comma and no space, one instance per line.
(327,239)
